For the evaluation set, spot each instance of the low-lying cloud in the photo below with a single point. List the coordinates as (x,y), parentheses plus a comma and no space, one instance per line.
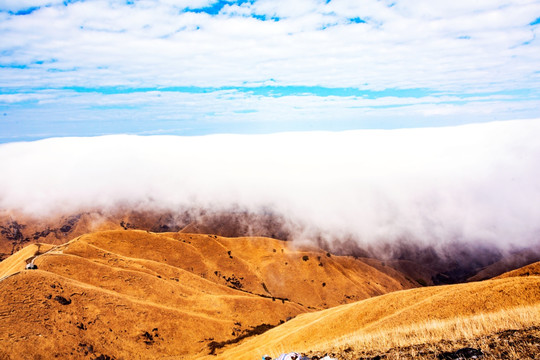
(473,183)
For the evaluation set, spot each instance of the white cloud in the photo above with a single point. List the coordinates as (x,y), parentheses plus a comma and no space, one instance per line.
(18,5)
(403,46)
(449,50)
(183,4)
(20,97)
(470,183)
(285,9)
(52,112)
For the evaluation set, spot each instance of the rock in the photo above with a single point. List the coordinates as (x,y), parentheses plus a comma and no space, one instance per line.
(147,338)
(104,357)
(462,354)
(62,300)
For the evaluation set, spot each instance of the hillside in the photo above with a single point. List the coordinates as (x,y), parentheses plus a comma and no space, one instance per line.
(407,318)
(125,292)
(529,270)
(21,258)
(509,263)
(422,264)
(18,230)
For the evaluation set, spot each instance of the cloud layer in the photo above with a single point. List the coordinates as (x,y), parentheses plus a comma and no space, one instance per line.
(476,183)
(197,67)
(373,44)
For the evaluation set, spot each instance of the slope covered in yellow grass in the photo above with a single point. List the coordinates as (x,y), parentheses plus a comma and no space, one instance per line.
(135,294)
(405,318)
(18,261)
(529,270)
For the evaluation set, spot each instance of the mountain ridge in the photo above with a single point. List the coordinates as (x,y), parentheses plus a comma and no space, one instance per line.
(221,290)
(422,264)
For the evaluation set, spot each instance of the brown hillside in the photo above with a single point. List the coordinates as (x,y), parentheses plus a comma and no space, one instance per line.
(529,270)
(420,274)
(135,294)
(399,316)
(508,263)
(18,261)
(422,265)
(18,229)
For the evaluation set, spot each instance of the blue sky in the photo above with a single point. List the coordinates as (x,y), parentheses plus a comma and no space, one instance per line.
(86,68)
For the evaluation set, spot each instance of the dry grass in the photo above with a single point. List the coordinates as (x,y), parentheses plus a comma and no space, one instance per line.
(508,344)
(529,270)
(139,295)
(405,318)
(199,293)
(18,261)
(435,331)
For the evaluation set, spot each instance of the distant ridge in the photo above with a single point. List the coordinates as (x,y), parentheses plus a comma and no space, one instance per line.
(422,265)
(529,270)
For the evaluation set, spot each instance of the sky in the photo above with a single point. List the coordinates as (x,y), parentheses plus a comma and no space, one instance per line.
(98,67)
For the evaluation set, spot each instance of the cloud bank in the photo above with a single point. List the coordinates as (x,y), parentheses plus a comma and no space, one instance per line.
(473,183)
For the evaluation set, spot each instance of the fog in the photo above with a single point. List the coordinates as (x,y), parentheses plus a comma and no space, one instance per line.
(474,183)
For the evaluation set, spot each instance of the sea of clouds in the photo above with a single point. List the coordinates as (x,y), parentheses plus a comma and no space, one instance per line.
(473,183)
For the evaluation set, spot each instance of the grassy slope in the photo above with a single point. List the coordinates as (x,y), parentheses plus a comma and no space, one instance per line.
(168,295)
(393,319)
(529,270)
(17,262)
(508,263)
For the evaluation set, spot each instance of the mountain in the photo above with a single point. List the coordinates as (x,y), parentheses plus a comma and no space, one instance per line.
(510,262)
(414,323)
(139,294)
(19,229)
(529,270)
(421,264)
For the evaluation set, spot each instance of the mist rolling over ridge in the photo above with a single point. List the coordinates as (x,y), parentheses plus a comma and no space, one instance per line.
(473,184)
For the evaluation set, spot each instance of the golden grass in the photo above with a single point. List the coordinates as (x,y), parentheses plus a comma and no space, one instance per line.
(529,270)
(195,290)
(434,331)
(17,262)
(403,316)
